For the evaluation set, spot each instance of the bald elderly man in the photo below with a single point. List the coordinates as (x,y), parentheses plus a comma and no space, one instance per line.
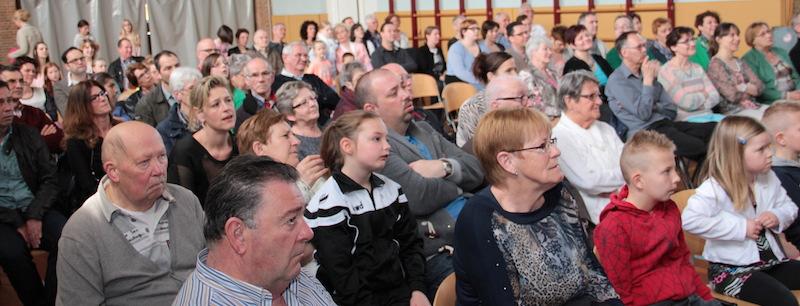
(135,241)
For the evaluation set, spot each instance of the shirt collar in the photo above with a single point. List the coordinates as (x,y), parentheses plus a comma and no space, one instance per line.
(107,208)
(285,72)
(70,81)
(226,284)
(346,184)
(4,141)
(167,95)
(627,72)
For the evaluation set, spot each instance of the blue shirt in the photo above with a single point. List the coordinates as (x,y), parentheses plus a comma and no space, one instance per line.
(636,105)
(14,192)
(459,63)
(209,286)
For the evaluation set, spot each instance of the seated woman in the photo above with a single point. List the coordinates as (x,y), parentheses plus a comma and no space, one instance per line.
(489,30)
(560,52)
(686,82)
(196,160)
(580,42)
(298,102)
(215,65)
(518,241)
(737,84)
(772,66)
(485,68)
(347,45)
(86,123)
(590,149)
(657,48)
(541,80)
(462,54)
(430,59)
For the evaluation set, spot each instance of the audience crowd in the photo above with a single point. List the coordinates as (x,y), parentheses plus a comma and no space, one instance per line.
(306,172)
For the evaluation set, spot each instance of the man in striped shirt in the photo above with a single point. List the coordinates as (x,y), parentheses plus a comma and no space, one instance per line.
(256,237)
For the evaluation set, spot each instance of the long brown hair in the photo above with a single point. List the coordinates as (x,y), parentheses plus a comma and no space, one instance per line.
(725,160)
(78,122)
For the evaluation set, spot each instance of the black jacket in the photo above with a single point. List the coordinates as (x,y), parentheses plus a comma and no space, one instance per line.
(790,180)
(248,109)
(38,170)
(425,61)
(794,55)
(367,243)
(575,63)
(115,70)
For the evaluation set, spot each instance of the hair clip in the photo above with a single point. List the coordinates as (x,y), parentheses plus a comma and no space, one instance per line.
(741,140)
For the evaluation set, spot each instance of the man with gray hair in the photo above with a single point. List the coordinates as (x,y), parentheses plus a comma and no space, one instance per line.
(259,77)
(133,242)
(295,60)
(590,149)
(176,125)
(372,34)
(622,24)
(256,238)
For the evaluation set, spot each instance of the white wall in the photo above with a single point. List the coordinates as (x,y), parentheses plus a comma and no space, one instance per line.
(300,7)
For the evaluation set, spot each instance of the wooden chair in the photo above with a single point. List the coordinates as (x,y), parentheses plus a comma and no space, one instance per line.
(446,294)
(425,86)
(696,244)
(454,95)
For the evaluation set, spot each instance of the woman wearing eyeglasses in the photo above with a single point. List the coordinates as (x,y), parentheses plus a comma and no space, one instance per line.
(519,241)
(590,149)
(462,54)
(771,65)
(686,82)
(298,102)
(86,123)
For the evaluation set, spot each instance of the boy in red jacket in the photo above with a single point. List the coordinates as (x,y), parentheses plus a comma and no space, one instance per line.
(639,239)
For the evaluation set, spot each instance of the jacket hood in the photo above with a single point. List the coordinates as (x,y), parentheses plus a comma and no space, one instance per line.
(618,203)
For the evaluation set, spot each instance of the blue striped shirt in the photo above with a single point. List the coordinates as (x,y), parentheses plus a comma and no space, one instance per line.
(208,286)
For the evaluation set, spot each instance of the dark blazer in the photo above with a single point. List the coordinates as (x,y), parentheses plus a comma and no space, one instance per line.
(425,61)
(115,70)
(248,109)
(575,63)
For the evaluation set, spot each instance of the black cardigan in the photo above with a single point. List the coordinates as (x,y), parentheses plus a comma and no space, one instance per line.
(425,60)
(575,63)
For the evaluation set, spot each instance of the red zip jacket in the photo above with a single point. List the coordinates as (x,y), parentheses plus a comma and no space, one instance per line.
(645,254)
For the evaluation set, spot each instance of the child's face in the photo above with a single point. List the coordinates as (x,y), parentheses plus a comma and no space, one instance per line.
(371,145)
(347,59)
(99,66)
(758,154)
(53,74)
(660,179)
(791,135)
(320,51)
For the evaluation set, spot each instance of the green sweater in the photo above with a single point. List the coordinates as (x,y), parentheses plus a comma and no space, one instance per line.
(701,56)
(758,63)
(613,58)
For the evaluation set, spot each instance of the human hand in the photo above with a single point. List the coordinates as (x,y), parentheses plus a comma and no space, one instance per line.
(34,229)
(311,169)
(753,229)
(751,89)
(650,71)
(428,168)
(419,299)
(49,129)
(749,104)
(767,220)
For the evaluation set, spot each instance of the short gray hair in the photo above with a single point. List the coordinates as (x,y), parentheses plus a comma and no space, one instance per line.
(182,76)
(498,85)
(237,63)
(286,94)
(290,47)
(348,71)
(256,58)
(535,42)
(570,86)
(370,17)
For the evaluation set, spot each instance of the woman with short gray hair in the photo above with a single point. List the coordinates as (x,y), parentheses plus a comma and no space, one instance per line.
(298,101)
(542,81)
(590,149)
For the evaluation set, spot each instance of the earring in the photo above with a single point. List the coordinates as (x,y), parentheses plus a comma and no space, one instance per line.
(516,172)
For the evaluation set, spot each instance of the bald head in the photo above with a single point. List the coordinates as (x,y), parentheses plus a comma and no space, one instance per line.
(204,48)
(396,68)
(118,140)
(365,89)
(260,39)
(502,91)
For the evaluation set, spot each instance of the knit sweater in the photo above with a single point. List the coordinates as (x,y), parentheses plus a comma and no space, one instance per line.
(691,89)
(643,251)
(98,266)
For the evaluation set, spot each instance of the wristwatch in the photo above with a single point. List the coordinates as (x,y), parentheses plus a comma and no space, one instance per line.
(448,168)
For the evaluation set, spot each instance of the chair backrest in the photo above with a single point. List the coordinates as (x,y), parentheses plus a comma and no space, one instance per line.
(423,85)
(446,294)
(455,94)
(694,242)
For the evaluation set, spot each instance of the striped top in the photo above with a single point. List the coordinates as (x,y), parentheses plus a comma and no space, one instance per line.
(691,89)
(208,286)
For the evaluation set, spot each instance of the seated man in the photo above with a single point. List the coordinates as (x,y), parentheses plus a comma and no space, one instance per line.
(590,148)
(386,52)
(29,187)
(505,91)
(29,115)
(134,241)
(259,77)
(640,102)
(256,239)
(434,170)
(176,125)
(154,106)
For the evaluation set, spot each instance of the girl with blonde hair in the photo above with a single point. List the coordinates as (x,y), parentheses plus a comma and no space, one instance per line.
(740,209)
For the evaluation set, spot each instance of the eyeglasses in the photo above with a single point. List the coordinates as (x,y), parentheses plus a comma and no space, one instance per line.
(543,148)
(8,100)
(75,60)
(592,96)
(264,74)
(687,42)
(639,46)
(306,101)
(519,99)
(473,29)
(102,93)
